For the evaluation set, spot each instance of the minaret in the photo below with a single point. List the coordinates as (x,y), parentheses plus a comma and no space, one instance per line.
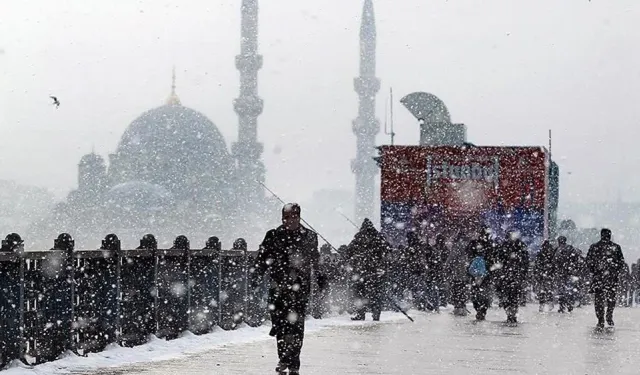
(247,150)
(173,97)
(366,126)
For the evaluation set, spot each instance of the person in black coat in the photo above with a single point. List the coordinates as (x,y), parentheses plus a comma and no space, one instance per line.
(321,296)
(367,255)
(415,266)
(434,275)
(340,281)
(484,247)
(456,270)
(511,264)
(443,279)
(290,254)
(633,287)
(605,263)
(545,275)
(568,266)
(624,286)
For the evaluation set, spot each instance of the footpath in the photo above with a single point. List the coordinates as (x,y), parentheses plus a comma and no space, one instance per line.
(549,343)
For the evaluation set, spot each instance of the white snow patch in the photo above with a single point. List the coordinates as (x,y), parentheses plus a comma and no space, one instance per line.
(161,350)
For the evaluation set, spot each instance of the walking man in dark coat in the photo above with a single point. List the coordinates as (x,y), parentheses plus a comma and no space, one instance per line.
(511,264)
(483,247)
(456,269)
(545,275)
(415,264)
(568,264)
(290,254)
(366,255)
(605,262)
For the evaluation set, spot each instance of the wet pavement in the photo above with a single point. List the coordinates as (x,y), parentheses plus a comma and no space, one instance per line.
(549,343)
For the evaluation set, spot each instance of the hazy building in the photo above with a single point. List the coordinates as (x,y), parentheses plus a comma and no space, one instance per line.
(172,172)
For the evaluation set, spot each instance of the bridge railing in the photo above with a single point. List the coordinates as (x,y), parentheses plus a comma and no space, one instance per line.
(53,301)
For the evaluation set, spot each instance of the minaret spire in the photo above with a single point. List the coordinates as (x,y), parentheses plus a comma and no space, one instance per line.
(173,97)
(366,126)
(248,106)
(173,80)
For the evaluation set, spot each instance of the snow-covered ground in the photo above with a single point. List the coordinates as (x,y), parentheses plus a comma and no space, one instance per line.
(547,343)
(162,350)
(544,343)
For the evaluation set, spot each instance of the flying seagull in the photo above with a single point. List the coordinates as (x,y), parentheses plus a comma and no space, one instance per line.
(56,102)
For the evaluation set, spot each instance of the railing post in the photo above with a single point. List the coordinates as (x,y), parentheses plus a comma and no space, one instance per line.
(111,296)
(173,289)
(11,300)
(233,281)
(256,305)
(204,286)
(21,343)
(97,296)
(118,256)
(156,292)
(137,295)
(70,272)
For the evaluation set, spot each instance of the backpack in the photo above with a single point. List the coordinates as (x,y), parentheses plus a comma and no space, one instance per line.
(478,267)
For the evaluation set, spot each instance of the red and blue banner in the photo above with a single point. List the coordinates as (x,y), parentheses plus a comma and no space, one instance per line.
(449,189)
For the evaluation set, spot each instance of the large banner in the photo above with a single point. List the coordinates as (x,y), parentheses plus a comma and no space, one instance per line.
(450,190)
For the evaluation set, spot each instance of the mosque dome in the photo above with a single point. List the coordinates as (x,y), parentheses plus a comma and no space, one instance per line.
(173,129)
(175,147)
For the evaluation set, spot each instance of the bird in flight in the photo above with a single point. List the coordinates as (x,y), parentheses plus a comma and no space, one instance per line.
(56,102)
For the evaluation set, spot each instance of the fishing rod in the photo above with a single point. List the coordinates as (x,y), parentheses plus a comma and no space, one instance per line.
(349,220)
(303,220)
(394,303)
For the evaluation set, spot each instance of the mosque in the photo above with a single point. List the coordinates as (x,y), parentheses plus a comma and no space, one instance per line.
(172,172)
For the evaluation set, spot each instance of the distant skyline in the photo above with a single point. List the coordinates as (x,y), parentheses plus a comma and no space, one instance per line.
(508,70)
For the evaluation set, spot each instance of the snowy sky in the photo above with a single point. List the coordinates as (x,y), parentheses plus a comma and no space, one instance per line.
(508,69)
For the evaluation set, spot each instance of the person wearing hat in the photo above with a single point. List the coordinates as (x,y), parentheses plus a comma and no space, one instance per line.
(290,255)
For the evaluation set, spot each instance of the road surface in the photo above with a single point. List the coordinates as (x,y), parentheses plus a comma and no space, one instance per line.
(548,343)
